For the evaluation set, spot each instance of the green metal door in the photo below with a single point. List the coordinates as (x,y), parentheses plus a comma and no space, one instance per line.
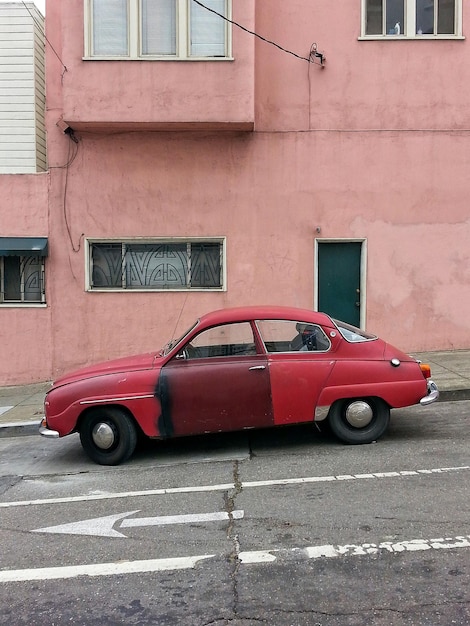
(339,280)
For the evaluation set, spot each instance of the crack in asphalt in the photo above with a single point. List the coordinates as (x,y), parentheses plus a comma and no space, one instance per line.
(229,503)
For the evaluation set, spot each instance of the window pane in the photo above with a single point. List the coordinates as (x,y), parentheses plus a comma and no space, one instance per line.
(32,277)
(110,27)
(156,265)
(446,17)
(23,279)
(12,277)
(425,17)
(395,17)
(159,27)
(291,336)
(161,266)
(107,265)
(205,265)
(208,29)
(374,17)
(222,341)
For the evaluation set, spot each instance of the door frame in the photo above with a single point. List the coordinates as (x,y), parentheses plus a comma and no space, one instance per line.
(363,271)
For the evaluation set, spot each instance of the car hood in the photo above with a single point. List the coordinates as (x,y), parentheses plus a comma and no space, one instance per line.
(116,366)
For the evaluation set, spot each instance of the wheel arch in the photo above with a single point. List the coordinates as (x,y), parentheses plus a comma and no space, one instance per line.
(333,395)
(112,405)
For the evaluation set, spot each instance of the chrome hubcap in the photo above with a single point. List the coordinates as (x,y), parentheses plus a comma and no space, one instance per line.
(103,435)
(359,414)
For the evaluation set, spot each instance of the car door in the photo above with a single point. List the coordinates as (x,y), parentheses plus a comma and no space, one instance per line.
(300,361)
(217,382)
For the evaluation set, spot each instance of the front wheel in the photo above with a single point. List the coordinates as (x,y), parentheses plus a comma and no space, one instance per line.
(359,420)
(108,436)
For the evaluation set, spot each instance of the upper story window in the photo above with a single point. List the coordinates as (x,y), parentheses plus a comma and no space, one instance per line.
(160,29)
(156,265)
(412,18)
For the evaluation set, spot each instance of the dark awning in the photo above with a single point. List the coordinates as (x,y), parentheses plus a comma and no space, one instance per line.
(23,246)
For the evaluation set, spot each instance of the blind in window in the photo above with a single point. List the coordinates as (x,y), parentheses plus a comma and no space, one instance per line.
(159,27)
(110,28)
(208,29)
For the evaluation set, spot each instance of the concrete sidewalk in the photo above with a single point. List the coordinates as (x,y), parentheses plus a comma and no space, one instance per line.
(21,407)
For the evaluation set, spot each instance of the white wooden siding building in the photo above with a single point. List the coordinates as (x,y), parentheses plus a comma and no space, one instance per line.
(22,89)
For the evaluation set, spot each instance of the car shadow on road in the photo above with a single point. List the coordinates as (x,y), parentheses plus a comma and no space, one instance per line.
(240,444)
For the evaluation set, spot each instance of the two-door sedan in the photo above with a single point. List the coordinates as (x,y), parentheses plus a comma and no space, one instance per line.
(248,367)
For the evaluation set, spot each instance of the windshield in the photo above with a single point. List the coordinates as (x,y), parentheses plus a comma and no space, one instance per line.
(171,344)
(353,334)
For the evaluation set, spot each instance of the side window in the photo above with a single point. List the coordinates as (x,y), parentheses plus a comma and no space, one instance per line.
(221,341)
(292,336)
(22,280)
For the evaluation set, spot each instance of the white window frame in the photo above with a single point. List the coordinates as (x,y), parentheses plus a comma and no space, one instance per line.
(408,29)
(158,241)
(183,29)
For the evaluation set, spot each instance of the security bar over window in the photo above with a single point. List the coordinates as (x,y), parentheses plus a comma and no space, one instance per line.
(156,265)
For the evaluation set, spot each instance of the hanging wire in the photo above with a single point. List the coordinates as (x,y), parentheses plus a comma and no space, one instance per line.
(41,28)
(310,59)
(72,153)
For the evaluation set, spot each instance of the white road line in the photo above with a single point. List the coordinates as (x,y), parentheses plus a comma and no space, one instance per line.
(246,558)
(4,409)
(226,486)
(365,549)
(101,569)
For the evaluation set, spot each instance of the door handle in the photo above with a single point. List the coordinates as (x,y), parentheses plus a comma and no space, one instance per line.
(257,367)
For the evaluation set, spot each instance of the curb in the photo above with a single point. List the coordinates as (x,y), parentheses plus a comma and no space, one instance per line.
(454,395)
(19,429)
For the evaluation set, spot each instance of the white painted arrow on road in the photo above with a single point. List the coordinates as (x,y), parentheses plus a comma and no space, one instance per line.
(104,526)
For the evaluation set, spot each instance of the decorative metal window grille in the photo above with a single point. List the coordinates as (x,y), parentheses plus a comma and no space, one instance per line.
(22,280)
(159,266)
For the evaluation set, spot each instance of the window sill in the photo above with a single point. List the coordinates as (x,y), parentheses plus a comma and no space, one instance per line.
(194,289)
(23,305)
(413,38)
(158,58)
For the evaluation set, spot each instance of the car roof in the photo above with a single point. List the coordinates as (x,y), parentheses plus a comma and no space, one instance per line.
(266,312)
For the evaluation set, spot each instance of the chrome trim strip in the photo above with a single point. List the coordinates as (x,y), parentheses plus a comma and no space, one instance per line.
(117,399)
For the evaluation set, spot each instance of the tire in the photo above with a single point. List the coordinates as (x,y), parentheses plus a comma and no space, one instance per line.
(359,420)
(108,436)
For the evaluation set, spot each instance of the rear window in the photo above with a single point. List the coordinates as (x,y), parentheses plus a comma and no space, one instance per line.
(353,334)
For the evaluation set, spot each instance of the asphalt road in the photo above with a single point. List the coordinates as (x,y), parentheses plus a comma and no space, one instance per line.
(284,527)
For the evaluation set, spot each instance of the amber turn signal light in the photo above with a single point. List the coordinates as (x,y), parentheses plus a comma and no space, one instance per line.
(426,369)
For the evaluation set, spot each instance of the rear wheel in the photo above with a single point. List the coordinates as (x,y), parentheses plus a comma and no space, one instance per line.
(359,420)
(108,436)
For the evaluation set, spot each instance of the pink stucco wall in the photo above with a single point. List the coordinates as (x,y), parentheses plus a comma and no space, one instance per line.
(25,333)
(374,147)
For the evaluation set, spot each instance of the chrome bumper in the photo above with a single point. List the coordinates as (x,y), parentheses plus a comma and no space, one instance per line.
(47,432)
(432,395)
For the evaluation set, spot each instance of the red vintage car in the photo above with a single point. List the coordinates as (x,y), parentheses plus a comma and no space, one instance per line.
(250,367)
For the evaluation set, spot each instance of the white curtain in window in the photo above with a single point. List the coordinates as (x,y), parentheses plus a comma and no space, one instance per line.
(159,27)
(110,28)
(208,29)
